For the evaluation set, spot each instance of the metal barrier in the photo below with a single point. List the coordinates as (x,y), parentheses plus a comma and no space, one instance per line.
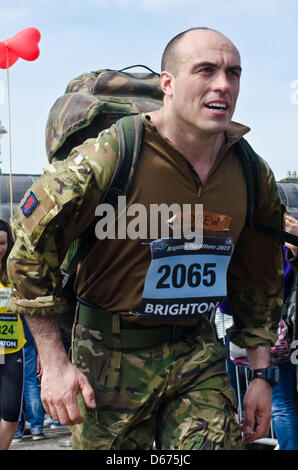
(222,322)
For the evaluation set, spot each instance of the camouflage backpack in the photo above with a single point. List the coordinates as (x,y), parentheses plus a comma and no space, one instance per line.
(93,102)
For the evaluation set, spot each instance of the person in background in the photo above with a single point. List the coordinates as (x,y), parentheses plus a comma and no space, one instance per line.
(12,341)
(284,395)
(284,415)
(292,227)
(33,408)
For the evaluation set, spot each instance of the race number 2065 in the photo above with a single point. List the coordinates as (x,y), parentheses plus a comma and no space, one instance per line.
(193,275)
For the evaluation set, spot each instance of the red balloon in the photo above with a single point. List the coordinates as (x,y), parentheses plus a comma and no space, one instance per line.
(7,58)
(2,49)
(24,44)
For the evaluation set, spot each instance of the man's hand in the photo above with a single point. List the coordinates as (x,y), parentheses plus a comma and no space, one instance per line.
(59,390)
(257,411)
(257,401)
(61,380)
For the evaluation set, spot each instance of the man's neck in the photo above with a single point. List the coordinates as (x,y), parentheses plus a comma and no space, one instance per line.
(200,149)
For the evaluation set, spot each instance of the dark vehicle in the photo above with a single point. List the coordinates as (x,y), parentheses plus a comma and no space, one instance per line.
(20,184)
(289,195)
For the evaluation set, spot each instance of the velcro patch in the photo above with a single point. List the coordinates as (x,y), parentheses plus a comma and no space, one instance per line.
(41,210)
(30,204)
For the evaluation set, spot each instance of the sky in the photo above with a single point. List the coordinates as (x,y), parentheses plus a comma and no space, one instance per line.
(79,36)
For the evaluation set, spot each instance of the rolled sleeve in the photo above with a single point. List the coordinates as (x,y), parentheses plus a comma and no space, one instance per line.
(255,278)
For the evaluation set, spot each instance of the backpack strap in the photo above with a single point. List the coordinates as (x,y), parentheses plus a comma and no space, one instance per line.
(249,161)
(130,131)
(250,165)
(276,233)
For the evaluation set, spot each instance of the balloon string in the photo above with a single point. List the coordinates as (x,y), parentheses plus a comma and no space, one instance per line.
(9,137)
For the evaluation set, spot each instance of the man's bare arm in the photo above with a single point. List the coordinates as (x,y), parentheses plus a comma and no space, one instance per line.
(46,333)
(61,381)
(257,400)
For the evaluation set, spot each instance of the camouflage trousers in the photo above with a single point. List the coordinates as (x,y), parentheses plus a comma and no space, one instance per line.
(177,395)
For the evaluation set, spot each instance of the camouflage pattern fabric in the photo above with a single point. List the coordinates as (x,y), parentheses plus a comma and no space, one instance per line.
(93,102)
(68,193)
(177,394)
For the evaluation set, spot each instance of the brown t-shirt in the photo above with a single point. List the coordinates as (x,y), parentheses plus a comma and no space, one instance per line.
(112,276)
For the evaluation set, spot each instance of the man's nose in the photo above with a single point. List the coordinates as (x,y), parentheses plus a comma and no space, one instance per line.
(221,82)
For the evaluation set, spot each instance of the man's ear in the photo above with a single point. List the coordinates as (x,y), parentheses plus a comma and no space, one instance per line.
(166,83)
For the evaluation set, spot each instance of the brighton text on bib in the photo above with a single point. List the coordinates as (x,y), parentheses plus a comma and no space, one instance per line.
(185,279)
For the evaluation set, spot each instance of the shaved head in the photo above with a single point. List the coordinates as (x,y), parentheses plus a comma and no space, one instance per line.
(171,57)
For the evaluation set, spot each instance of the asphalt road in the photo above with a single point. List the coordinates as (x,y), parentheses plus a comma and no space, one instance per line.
(56,439)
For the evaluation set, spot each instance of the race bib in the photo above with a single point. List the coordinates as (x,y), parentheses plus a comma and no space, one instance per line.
(185,279)
(12,337)
(9,331)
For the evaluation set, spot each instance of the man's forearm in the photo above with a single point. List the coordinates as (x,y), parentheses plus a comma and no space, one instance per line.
(257,400)
(259,357)
(47,336)
(61,381)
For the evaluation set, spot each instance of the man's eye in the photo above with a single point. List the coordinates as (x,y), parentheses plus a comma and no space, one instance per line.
(206,70)
(234,73)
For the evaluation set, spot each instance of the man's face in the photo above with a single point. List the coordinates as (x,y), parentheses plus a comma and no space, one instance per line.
(205,89)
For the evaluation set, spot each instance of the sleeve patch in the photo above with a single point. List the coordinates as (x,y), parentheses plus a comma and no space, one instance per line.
(34,207)
(30,204)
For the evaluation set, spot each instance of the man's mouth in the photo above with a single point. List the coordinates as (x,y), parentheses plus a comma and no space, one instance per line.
(217,106)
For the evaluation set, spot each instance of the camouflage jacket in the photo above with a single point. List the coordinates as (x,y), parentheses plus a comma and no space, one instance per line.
(61,204)
(67,192)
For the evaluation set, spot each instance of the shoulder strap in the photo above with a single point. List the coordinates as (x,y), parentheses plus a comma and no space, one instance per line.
(248,159)
(130,130)
(251,170)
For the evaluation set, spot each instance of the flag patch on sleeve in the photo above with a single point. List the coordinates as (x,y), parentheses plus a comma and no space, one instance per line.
(30,204)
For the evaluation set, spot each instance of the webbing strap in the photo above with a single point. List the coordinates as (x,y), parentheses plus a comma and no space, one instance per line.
(247,159)
(277,234)
(129,131)
(118,334)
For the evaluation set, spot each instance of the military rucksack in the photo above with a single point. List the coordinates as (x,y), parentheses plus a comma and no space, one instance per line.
(96,100)
(93,102)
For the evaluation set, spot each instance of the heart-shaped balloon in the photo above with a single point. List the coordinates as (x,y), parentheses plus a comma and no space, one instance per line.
(7,58)
(24,44)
